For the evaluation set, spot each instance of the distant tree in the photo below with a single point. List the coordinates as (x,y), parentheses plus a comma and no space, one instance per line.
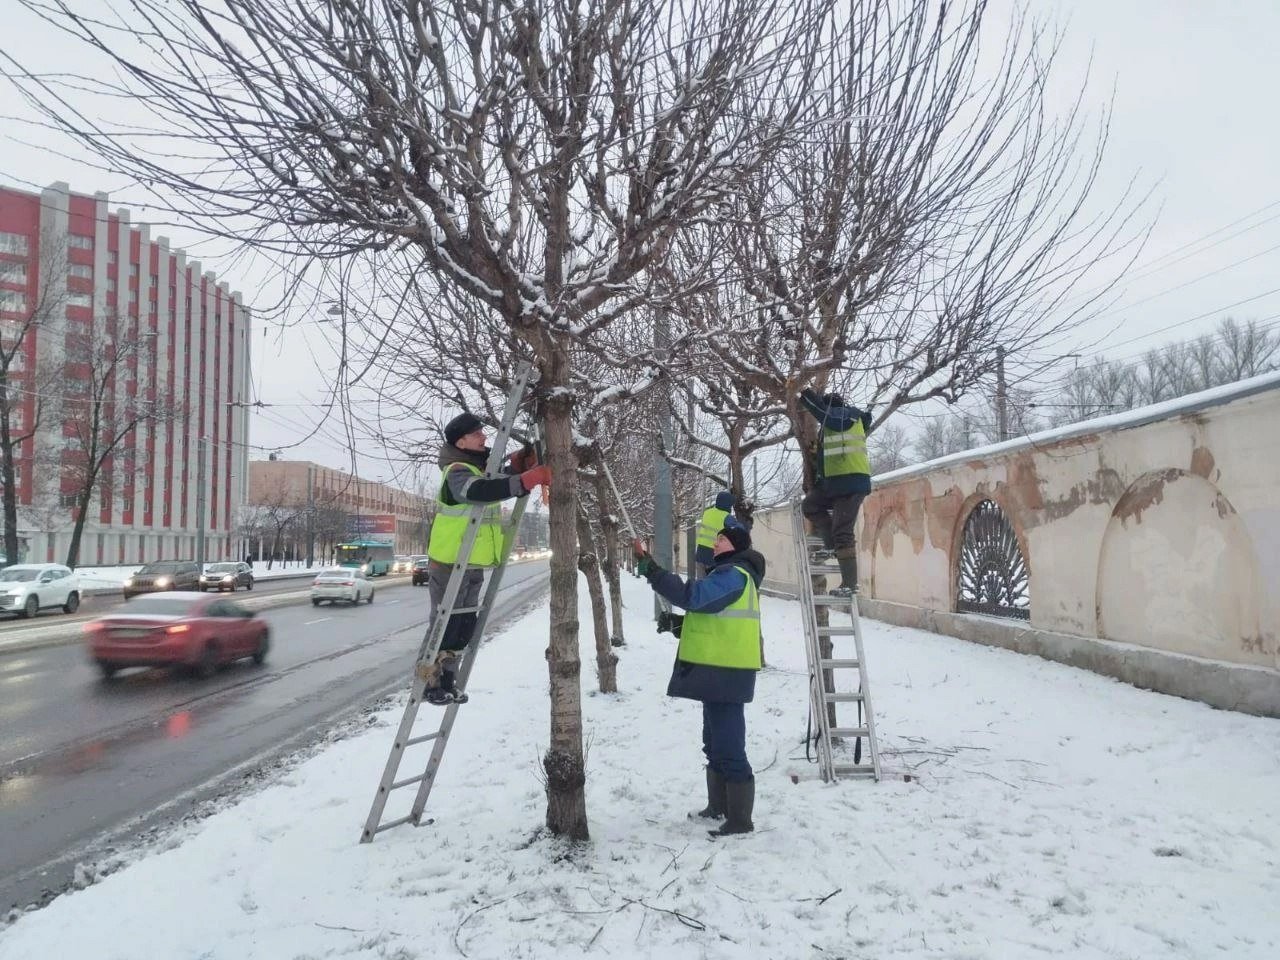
(889,448)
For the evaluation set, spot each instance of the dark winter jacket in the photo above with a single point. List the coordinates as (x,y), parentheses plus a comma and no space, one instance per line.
(724,501)
(463,486)
(722,585)
(836,417)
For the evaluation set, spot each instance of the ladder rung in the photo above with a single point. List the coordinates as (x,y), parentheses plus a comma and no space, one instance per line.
(393,823)
(422,739)
(826,600)
(842,697)
(404,783)
(464,610)
(832,664)
(849,731)
(823,568)
(838,631)
(854,769)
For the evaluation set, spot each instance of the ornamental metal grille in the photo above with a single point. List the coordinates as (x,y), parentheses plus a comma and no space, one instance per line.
(993,574)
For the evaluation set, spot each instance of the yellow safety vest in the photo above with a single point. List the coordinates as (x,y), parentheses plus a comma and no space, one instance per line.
(845,451)
(711,524)
(450,525)
(730,638)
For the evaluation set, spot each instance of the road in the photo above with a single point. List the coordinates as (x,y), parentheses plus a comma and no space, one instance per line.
(86,766)
(14,627)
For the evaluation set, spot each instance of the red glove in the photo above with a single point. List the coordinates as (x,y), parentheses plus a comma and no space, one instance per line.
(534,477)
(523,460)
(638,548)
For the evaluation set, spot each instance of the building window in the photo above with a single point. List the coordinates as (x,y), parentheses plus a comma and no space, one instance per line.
(80,242)
(18,362)
(69,499)
(133,270)
(111,284)
(79,299)
(14,243)
(112,257)
(154,281)
(11,272)
(81,270)
(12,301)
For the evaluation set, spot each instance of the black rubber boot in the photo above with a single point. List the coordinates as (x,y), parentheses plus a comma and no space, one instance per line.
(449,684)
(714,809)
(848,577)
(740,800)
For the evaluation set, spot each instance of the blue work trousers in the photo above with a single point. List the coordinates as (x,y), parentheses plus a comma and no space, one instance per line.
(724,740)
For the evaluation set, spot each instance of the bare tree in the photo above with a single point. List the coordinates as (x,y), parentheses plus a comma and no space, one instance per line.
(932,214)
(539,156)
(28,387)
(888,448)
(108,413)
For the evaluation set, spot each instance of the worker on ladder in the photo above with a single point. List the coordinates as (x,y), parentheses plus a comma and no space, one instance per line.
(843,480)
(462,460)
(716,663)
(711,523)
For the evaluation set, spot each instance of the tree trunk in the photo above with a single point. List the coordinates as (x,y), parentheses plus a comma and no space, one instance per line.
(77,530)
(589,565)
(8,474)
(737,479)
(563,763)
(609,524)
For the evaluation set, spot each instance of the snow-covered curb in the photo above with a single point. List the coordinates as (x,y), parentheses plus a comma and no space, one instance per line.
(1053,812)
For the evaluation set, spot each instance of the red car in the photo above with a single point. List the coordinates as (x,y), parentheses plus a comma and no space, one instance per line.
(182,629)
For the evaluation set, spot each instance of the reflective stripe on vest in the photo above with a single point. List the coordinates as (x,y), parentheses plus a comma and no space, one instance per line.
(450,526)
(844,452)
(730,638)
(711,524)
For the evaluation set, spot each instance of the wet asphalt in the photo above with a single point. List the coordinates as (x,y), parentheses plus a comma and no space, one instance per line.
(87,766)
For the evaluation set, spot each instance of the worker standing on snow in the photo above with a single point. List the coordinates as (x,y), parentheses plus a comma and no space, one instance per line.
(716,663)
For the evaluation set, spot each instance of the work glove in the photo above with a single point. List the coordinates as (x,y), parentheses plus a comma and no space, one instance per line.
(535,477)
(523,460)
(809,393)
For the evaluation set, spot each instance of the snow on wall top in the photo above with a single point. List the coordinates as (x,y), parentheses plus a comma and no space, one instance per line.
(1213,397)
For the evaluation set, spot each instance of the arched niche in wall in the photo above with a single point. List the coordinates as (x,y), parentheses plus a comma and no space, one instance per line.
(1177,571)
(992,576)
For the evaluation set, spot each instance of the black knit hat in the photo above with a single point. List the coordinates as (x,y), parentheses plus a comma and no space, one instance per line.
(460,426)
(737,534)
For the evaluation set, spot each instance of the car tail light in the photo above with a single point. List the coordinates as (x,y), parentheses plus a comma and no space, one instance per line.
(349,583)
(178,628)
(92,627)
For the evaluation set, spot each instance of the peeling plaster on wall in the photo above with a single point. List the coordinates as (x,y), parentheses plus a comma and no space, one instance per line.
(1202,463)
(1144,493)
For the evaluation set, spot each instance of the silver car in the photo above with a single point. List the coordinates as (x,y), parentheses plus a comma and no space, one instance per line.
(344,585)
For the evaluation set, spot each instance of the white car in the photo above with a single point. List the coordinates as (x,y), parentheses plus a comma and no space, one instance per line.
(344,585)
(28,588)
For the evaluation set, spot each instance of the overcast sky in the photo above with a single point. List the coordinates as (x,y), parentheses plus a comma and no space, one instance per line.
(1195,117)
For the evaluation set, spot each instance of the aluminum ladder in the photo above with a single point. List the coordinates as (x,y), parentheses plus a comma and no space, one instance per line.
(405,737)
(825,694)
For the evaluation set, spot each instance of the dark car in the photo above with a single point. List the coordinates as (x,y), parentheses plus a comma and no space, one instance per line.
(421,571)
(178,629)
(167,575)
(227,576)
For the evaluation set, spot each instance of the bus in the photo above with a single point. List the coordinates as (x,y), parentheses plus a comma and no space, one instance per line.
(373,557)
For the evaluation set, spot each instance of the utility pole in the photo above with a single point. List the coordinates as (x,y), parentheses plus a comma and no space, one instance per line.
(755,478)
(311,512)
(1002,397)
(202,446)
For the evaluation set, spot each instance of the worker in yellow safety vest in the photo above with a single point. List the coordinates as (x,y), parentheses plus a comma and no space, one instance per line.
(843,481)
(711,523)
(463,484)
(716,663)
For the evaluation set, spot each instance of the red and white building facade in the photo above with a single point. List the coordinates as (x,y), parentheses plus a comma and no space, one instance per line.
(116,273)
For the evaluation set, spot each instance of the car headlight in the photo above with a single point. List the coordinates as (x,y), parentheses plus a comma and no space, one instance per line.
(228,578)
(129,582)
(162,581)
(364,567)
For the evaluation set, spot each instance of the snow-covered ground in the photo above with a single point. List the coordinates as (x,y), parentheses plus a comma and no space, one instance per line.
(114,576)
(1053,813)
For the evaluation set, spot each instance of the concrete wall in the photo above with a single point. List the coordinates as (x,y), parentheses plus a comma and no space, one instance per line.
(1157,532)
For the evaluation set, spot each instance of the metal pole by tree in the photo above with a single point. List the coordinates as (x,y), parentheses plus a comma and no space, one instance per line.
(311,514)
(1002,397)
(662,492)
(201,496)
